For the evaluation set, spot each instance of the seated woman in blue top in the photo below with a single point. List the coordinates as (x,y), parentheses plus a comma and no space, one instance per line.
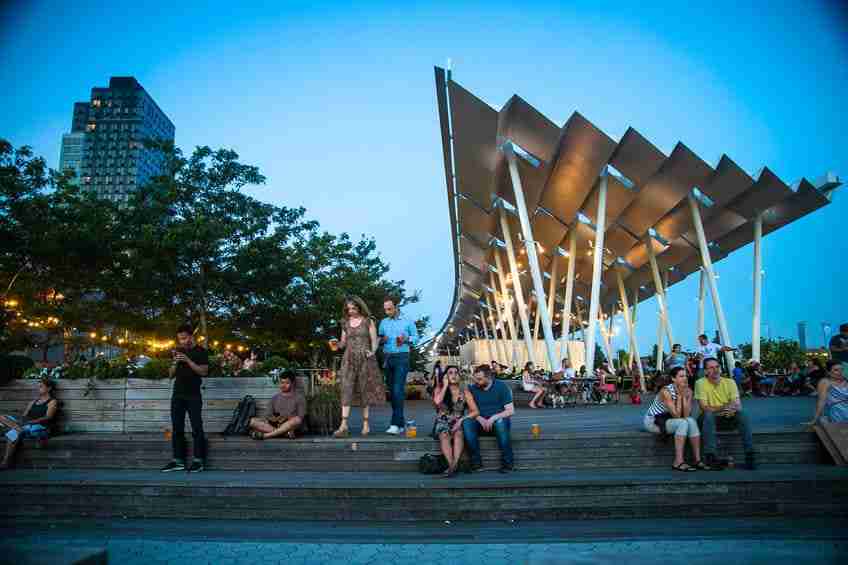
(494,401)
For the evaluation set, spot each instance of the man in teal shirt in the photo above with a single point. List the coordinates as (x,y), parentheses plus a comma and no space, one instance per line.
(396,335)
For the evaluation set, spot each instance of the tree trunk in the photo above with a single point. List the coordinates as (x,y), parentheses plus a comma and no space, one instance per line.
(202,307)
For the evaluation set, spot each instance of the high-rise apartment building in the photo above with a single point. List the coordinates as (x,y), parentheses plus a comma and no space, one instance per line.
(114,125)
(73,149)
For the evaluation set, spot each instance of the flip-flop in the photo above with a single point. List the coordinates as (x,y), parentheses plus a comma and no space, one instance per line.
(701,466)
(684,467)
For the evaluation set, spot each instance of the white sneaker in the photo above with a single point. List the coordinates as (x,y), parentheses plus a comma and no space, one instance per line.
(394,430)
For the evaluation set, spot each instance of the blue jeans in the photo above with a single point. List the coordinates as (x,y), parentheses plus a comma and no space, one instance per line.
(708,431)
(472,430)
(397,367)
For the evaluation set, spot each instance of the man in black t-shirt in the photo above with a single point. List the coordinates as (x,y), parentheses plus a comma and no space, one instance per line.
(191,364)
(839,345)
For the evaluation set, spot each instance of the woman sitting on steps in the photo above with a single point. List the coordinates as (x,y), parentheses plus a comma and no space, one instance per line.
(35,423)
(454,404)
(670,412)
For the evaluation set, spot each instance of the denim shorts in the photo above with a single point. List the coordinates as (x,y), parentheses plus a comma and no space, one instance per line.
(34,431)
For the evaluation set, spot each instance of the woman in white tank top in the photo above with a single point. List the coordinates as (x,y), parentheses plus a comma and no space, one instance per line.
(672,408)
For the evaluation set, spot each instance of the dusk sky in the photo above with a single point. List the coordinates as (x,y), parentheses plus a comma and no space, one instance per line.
(335,102)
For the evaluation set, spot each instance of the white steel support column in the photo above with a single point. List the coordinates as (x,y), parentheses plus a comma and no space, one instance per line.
(569,290)
(551,296)
(507,306)
(758,286)
(499,345)
(702,290)
(659,361)
(597,266)
(707,265)
(660,292)
(532,257)
(631,331)
(605,338)
(516,287)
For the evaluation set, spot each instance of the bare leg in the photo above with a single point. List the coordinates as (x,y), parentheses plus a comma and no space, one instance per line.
(261,425)
(695,442)
(679,446)
(343,429)
(11,446)
(458,445)
(366,429)
(445,443)
(289,425)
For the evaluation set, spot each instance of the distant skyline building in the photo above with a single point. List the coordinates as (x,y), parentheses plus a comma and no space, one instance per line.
(108,132)
(73,149)
(802,335)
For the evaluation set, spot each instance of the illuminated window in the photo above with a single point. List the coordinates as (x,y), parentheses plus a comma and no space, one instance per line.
(91,127)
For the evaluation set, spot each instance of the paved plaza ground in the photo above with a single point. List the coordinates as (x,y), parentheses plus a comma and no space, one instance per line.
(774,413)
(145,542)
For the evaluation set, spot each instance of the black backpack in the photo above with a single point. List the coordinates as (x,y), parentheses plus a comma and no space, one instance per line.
(240,422)
(430,464)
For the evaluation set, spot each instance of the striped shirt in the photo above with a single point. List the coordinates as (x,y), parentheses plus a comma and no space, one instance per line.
(658,407)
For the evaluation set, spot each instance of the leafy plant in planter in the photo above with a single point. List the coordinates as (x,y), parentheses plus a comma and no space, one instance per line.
(155,369)
(324,410)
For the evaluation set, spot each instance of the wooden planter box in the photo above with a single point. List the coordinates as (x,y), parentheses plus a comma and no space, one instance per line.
(140,405)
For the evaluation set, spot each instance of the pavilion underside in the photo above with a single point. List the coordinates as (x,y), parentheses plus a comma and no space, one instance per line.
(555,229)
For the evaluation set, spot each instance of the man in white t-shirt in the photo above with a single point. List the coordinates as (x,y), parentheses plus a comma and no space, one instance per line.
(707,349)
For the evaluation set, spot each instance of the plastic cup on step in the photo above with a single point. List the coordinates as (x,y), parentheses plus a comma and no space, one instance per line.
(168,434)
(411,429)
(536,430)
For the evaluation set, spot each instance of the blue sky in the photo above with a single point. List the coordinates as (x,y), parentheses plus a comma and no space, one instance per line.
(335,102)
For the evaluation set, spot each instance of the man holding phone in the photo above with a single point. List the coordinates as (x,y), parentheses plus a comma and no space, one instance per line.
(190,365)
(396,334)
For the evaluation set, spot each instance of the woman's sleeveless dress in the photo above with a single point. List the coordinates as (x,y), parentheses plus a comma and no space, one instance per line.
(361,381)
(445,418)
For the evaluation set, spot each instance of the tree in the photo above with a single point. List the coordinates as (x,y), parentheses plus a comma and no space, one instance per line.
(777,353)
(188,246)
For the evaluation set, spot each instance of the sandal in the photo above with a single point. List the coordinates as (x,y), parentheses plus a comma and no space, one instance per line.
(343,431)
(684,467)
(257,435)
(290,434)
(701,466)
(366,429)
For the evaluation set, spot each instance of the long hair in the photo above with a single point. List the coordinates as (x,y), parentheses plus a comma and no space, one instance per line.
(360,304)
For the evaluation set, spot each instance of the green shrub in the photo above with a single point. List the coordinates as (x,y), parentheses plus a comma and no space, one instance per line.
(272,363)
(324,410)
(154,369)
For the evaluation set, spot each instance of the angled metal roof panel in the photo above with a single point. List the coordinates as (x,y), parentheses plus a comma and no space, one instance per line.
(767,191)
(636,157)
(475,127)
(583,151)
(475,221)
(678,174)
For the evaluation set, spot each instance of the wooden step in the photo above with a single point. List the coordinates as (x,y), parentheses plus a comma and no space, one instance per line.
(796,490)
(555,452)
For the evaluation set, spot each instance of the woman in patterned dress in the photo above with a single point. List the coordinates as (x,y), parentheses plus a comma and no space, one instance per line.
(454,403)
(360,375)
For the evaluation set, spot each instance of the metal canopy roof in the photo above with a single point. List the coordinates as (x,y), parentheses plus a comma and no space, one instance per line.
(559,169)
